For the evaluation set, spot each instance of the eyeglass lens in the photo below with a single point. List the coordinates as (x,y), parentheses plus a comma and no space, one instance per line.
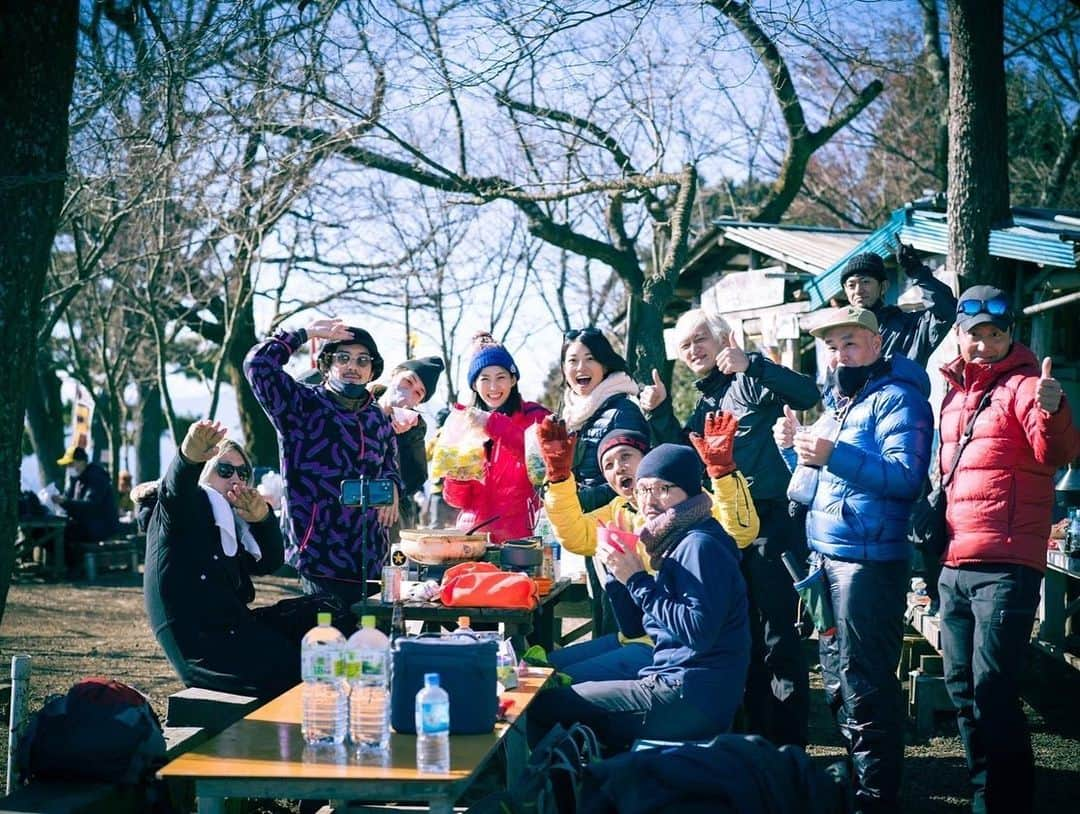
(226,470)
(342,358)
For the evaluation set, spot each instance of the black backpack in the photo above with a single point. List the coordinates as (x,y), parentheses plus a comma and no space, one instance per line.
(102,730)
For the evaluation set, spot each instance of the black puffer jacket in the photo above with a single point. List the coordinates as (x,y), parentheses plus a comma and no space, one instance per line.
(757,398)
(915,334)
(618,412)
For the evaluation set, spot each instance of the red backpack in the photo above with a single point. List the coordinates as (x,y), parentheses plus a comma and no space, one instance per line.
(100,730)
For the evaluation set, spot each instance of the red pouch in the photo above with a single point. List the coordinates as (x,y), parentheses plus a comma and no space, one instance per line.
(483,588)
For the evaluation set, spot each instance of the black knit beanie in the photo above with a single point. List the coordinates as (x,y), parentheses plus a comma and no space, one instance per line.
(867,264)
(674,463)
(428,368)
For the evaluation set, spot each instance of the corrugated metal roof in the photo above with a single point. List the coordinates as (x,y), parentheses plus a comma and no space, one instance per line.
(806,248)
(1038,236)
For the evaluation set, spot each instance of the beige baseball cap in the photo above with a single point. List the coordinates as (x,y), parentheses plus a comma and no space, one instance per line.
(843,317)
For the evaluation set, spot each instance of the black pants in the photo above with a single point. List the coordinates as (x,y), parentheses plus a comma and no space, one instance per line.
(258,654)
(987,613)
(858,667)
(777,700)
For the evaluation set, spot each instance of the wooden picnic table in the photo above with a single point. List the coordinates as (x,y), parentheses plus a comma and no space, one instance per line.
(518,623)
(1060,605)
(264,756)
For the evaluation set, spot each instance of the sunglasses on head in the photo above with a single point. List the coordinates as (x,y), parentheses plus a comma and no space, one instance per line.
(342,358)
(226,470)
(995,307)
(573,334)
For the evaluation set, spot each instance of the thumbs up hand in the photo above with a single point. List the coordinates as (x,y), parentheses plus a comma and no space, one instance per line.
(732,359)
(1048,392)
(785,428)
(652,395)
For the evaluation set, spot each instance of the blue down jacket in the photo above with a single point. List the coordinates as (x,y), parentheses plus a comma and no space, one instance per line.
(865,493)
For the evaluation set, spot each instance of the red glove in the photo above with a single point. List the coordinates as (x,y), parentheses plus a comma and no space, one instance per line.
(556,448)
(717,447)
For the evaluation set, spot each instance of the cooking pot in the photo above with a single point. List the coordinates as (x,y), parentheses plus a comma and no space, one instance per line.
(521,554)
(441,546)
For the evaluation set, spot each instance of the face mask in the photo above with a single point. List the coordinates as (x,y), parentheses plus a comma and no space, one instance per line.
(347,389)
(851,379)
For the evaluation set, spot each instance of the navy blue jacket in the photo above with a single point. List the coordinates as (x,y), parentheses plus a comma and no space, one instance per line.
(695,611)
(865,494)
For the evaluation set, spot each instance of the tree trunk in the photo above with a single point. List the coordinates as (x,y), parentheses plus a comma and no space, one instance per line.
(37,55)
(260,439)
(149,426)
(45,417)
(978,148)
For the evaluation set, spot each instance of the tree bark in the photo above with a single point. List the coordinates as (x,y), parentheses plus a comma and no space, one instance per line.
(978,148)
(37,55)
(45,418)
(149,426)
(260,438)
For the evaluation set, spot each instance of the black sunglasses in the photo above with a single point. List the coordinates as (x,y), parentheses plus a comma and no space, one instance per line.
(226,470)
(995,307)
(574,333)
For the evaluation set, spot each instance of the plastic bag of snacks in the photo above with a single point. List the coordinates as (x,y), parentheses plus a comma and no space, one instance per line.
(534,461)
(459,450)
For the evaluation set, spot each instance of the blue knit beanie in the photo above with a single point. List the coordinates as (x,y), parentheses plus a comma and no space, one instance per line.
(674,463)
(491,354)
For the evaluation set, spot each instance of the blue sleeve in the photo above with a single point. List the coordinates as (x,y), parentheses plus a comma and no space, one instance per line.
(628,615)
(903,430)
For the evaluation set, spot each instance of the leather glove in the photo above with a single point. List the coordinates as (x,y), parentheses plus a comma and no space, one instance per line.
(717,447)
(556,448)
(908,259)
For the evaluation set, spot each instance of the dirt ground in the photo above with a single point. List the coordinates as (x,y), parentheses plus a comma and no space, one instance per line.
(77,629)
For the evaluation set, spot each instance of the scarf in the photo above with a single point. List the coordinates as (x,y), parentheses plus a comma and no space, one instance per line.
(229,524)
(665,531)
(579,409)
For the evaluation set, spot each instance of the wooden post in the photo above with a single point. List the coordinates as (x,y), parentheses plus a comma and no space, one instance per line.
(20,688)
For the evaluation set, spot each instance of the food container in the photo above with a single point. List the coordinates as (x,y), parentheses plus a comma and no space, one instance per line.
(442,547)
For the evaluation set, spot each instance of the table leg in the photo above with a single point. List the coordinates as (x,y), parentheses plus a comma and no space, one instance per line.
(545,631)
(1052,627)
(59,564)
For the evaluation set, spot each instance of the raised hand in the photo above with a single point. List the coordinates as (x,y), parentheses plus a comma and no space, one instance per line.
(717,447)
(556,448)
(1048,392)
(333,329)
(813,450)
(908,259)
(785,428)
(202,439)
(249,504)
(652,395)
(732,359)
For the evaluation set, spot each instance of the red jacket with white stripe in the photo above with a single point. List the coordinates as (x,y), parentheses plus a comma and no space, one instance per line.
(1000,500)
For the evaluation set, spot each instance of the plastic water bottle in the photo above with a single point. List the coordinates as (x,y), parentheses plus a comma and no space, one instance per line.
(463,628)
(1073,533)
(325,694)
(432,727)
(367,661)
(804,480)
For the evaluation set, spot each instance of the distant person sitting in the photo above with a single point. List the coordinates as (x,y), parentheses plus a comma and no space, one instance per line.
(89,501)
(124,504)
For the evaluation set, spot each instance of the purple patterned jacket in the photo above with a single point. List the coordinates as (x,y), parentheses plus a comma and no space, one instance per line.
(321,442)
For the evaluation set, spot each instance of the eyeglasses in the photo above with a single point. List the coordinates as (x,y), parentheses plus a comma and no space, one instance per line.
(995,307)
(226,470)
(660,491)
(574,333)
(342,358)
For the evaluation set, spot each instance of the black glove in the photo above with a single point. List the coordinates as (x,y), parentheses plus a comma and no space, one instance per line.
(908,259)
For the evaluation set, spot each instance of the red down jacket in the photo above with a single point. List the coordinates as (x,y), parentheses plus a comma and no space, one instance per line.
(506,490)
(1001,497)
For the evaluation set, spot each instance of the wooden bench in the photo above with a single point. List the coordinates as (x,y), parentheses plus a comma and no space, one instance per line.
(210,710)
(115,552)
